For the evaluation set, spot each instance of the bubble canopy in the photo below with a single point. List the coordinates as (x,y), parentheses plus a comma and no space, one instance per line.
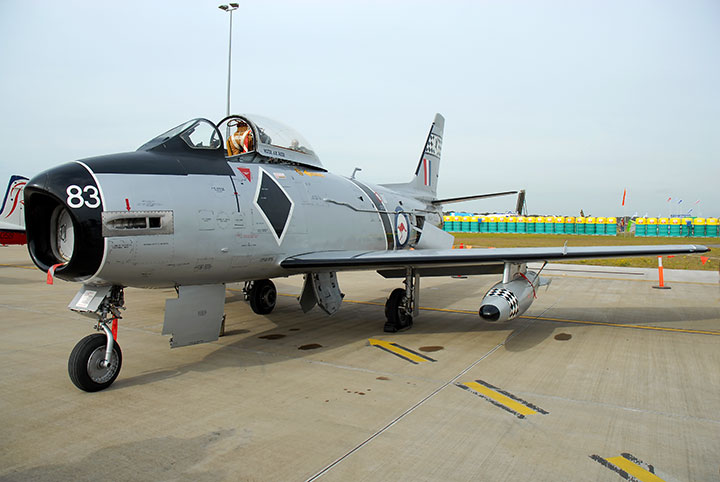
(273,141)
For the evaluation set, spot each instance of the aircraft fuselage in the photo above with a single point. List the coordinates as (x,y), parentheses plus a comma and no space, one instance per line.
(151,221)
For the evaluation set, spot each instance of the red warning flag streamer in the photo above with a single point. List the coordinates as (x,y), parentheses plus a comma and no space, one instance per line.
(704,259)
(624,193)
(51,272)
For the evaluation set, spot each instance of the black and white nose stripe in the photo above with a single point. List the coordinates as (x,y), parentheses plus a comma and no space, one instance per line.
(509,297)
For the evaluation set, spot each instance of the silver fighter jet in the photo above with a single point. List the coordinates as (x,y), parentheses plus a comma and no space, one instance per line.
(193,209)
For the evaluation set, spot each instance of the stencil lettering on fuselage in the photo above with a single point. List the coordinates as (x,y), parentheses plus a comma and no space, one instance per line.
(274,204)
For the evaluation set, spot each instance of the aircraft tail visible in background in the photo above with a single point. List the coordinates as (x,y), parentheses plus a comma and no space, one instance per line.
(12,218)
(424,184)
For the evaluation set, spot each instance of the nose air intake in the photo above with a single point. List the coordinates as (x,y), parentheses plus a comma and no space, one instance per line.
(63,212)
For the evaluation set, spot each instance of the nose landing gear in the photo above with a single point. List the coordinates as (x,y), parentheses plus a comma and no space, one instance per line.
(95,362)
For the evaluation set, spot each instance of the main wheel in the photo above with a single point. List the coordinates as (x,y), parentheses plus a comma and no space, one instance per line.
(263,296)
(85,363)
(397,318)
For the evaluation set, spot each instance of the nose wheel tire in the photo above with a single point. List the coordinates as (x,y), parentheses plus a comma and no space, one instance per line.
(398,319)
(263,296)
(85,365)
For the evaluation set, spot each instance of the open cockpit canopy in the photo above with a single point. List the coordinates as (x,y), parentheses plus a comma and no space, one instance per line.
(245,138)
(270,139)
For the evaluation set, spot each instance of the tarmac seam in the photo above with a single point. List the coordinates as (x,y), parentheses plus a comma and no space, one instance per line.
(414,407)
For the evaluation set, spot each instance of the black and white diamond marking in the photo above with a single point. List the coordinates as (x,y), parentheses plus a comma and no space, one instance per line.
(274,204)
(509,297)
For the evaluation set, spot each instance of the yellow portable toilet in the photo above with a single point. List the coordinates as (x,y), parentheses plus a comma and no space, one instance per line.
(590,225)
(559,222)
(686,227)
(521,224)
(530,224)
(611,226)
(502,224)
(570,225)
(640,227)
(600,226)
(492,224)
(482,224)
(675,227)
(699,228)
(663,227)
(652,229)
(711,227)
(580,225)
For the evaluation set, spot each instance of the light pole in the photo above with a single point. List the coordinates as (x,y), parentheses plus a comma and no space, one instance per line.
(229,8)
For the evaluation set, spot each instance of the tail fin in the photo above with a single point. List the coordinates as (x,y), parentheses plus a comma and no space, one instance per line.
(424,184)
(426,174)
(11,211)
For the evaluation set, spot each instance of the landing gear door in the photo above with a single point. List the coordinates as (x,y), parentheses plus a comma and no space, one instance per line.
(88,299)
(323,289)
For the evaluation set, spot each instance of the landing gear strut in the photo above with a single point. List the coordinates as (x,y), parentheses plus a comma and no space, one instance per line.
(262,295)
(95,362)
(401,306)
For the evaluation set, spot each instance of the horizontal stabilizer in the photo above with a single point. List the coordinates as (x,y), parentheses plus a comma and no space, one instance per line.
(476,196)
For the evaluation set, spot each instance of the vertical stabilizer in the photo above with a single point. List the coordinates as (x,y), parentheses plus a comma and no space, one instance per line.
(426,175)
(11,211)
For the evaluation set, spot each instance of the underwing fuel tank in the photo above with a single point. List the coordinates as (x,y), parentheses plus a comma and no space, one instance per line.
(506,301)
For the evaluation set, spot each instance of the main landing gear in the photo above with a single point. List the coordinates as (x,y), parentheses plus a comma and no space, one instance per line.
(95,362)
(262,295)
(402,304)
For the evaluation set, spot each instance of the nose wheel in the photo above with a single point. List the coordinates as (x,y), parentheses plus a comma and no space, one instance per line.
(87,367)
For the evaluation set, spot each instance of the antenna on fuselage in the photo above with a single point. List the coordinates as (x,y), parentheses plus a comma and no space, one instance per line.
(352,176)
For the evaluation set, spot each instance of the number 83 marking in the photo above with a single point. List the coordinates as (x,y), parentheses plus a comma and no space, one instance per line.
(76,200)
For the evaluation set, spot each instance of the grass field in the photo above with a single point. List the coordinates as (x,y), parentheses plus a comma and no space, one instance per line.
(502,240)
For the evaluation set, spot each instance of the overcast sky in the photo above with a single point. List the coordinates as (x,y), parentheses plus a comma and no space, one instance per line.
(573,101)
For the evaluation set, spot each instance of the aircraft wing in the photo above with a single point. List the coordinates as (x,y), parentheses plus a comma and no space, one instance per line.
(457,261)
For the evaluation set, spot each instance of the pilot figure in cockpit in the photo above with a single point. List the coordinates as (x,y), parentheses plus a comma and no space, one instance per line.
(241,140)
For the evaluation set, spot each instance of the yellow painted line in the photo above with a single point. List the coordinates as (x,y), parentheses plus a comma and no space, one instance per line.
(634,470)
(500,398)
(18,266)
(542,318)
(400,351)
(621,325)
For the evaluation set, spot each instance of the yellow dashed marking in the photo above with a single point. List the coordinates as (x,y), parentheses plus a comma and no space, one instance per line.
(500,398)
(634,470)
(400,351)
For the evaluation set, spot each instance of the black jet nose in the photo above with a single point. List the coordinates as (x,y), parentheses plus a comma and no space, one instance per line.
(489,313)
(63,221)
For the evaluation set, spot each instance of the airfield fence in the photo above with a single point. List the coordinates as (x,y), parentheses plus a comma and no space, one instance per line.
(596,226)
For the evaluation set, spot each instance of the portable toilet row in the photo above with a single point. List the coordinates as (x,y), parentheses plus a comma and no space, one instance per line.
(531,224)
(676,227)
